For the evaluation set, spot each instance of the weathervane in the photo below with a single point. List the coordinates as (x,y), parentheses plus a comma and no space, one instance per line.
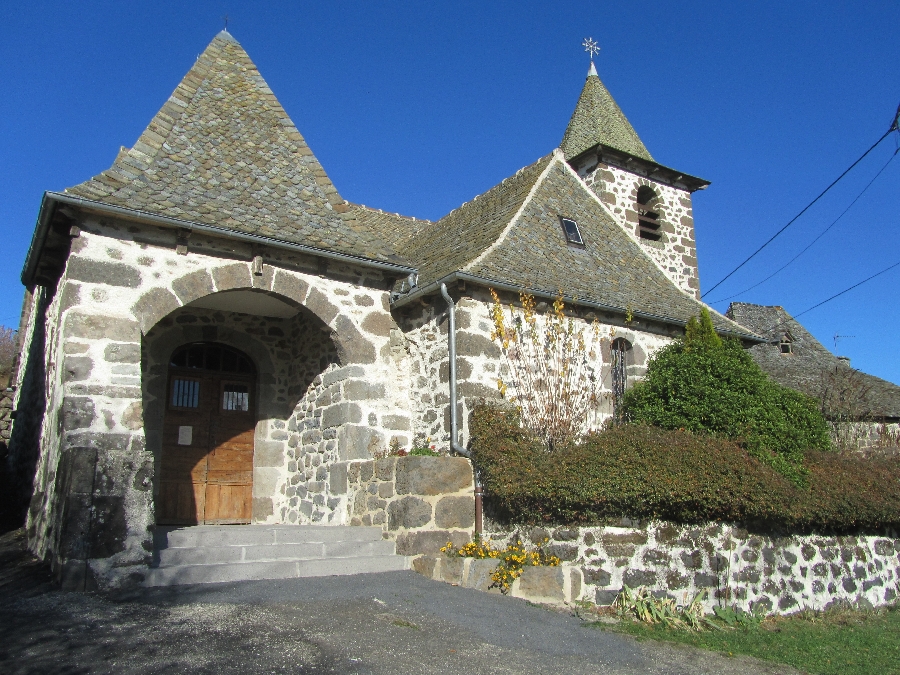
(590,46)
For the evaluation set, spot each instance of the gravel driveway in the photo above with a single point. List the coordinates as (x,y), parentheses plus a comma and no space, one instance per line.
(395,622)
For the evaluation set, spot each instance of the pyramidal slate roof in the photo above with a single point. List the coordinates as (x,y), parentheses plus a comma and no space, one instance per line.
(512,234)
(222,151)
(599,120)
(806,368)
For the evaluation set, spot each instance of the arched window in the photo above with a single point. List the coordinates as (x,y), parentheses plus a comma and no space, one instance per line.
(211,356)
(648,214)
(620,353)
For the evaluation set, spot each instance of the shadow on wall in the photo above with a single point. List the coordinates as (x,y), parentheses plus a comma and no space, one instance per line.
(20,463)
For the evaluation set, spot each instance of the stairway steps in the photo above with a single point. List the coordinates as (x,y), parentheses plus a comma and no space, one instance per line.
(248,553)
(225,553)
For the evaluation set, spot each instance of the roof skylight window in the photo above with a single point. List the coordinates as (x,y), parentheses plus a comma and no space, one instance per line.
(573,234)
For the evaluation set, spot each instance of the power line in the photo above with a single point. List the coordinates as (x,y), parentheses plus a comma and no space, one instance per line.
(822,234)
(894,126)
(836,295)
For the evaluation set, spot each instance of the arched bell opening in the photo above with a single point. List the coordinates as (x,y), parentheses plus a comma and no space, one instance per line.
(206,459)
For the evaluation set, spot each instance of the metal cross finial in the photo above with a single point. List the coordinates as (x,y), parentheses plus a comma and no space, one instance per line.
(225,19)
(590,46)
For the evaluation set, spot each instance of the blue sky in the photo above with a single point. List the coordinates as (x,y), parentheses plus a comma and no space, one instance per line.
(416,107)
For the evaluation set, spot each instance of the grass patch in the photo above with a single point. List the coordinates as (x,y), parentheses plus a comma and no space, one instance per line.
(840,642)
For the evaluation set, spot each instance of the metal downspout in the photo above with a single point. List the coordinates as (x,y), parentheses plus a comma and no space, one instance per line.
(454,422)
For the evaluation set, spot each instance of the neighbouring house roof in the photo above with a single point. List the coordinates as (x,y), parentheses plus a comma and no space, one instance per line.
(397,231)
(512,234)
(810,367)
(599,120)
(222,151)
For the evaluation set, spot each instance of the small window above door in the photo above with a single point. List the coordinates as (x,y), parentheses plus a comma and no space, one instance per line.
(235,397)
(185,393)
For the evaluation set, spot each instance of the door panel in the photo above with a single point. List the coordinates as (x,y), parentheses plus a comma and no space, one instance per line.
(206,466)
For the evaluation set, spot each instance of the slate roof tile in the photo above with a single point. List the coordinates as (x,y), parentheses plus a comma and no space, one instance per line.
(222,151)
(806,367)
(599,120)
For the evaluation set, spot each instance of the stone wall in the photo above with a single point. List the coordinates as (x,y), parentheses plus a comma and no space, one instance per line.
(480,363)
(774,573)
(421,502)
(676,252)
(92,513)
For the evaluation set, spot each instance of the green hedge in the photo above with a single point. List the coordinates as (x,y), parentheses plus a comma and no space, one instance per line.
(638,471)
(704,384)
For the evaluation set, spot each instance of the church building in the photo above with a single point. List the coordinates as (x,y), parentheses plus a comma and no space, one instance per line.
(213,334)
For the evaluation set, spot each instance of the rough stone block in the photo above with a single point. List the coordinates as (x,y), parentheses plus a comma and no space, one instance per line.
(77,412)
(455,512)
(425,565)
(150,308)
(432,475)
(409,512)
(318,304)
(99,327)
(362,390)
(77,368)
(396,422)
(384,468)
(231,277)
(352,346)
(472,344)
(338,478)
(378,323)
(192,286)
(268,453)
(262,508)
(453,570)
(122,352)
(635,578)
(429,542)
(103,272)
(290,286)
(341,413)
(541,584)
(355,442)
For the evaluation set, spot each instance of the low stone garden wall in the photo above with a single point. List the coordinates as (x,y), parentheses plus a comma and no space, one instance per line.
(421,502)
(736,567)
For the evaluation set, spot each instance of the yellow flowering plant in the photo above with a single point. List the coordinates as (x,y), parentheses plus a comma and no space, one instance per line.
(513,559)
(553,367)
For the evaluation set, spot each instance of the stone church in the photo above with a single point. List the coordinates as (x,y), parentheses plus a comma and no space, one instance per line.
(212,334)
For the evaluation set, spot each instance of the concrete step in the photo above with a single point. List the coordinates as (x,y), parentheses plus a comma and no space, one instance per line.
(273,569)
(262,535)
(221,553)
(206,555)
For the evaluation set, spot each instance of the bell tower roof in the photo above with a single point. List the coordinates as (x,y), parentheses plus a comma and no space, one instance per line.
(599,120)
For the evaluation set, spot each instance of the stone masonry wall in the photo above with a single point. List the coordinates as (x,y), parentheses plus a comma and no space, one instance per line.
(736,567)
(421,502)
(92,514)
(480,362)
(676,252)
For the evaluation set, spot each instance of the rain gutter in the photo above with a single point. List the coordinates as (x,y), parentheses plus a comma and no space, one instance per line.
(435,287)
(52,198)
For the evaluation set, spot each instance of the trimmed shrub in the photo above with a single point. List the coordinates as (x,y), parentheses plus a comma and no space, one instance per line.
(638,471)
(705,384)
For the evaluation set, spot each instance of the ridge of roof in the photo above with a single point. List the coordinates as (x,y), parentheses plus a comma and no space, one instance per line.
(599,120)
(450,243)
(222,151)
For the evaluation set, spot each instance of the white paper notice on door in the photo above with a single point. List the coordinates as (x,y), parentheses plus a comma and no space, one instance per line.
(185,435)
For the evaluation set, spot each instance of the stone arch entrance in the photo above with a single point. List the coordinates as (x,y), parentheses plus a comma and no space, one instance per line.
(206,464)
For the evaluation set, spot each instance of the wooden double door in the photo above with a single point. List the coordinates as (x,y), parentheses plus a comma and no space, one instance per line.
(206,468)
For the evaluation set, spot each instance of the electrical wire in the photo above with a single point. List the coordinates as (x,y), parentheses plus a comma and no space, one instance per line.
(836,295)
(822,234)
(894,126)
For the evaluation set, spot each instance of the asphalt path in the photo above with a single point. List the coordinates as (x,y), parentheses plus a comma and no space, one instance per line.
(375,624)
